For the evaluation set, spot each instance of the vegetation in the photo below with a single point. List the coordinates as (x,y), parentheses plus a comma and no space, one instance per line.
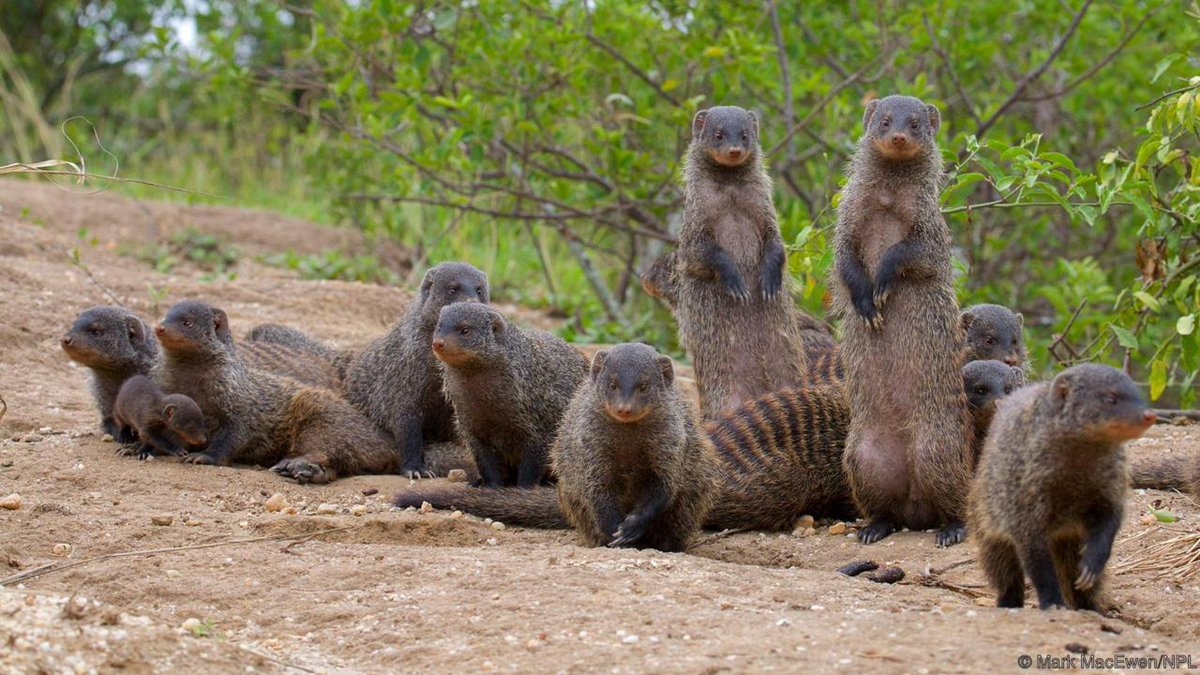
(540,140)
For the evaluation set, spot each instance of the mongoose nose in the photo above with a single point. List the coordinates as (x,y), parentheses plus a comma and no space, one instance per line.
(160,329)
(899,139)
(66,341)
(1149,417)
(1012,361)
(438,344)
(624,411)
(734,153)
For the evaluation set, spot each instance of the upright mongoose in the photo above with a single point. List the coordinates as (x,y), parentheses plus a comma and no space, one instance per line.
(1178,471)
(986,383)
(509,387)
(115,344)
(993,332)
(255,417)
(779,457)
(165,424)
(736,318)
(908,454)
(1049,495)
(396,381)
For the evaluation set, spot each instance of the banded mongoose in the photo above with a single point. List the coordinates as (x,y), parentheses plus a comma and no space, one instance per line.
(115,344)
(396,381)
(986,384)
(779,458)
(993,332)
(908,454)
(1178,471)
(1049,495)
(300,365)
(736,318)
(165,424)
(286,336)
(254,417)
(509,387)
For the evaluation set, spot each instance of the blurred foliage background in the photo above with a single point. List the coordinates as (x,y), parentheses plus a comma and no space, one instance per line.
(540,140)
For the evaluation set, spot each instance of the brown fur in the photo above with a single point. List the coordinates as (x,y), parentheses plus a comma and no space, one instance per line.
(255,417)
(302,366)
(164,424)
(1049,495)
(908,453)
(736,318)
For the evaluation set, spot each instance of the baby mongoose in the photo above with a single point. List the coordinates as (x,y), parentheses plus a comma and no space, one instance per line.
(165,424)
(115,344)
(993,332)
(254,417)
(986,383)
(736,318)
(1049,494)
(908,453)
(634,468)
(396,381)
(509,387)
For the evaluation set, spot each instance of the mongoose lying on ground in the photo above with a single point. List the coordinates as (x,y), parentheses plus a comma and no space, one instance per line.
(1049,495)
(908,454)
(115,344)
(509,387)
(165,424)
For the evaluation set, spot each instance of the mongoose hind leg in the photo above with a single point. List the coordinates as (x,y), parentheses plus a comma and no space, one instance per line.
(305,469)
(1039,565)
(1003,569)
(876,529)
(953,533)
(1067,553)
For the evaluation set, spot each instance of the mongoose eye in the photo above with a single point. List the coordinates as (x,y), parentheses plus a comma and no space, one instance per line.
(612,386)
(989,340)
(980,390)
(885,123)
(720,135)
(479,291)
(1111,399)
(745,137)
(643,387)
(464,330)
(453,290)
(913,124)
(187,323)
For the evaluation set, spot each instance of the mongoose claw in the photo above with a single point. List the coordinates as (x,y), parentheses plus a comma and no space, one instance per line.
(881,297)
(199,458)
(302,471)
(620,538)
(874,531)
(1087,579)
(125,436)
(876,322)
(950,535)
(125,451)
(737,290)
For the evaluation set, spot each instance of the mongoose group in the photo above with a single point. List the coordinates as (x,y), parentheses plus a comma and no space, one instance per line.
(918,418)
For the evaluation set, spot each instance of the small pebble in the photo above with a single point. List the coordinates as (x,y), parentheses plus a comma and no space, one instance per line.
(327,509)
(497,525)
(456,515)
(31,437)
(426,507)
(193,523)
(191,625)
(804,523)
(45,430)
(163,519)
(243,524)
(457,476)
(985,601)
(630,639)
(886,575)
(11,502)
(837,528)
(493,541)
(1076,648)
(276,503)
(173,574)
(358,509)
(61,550)
(290,511)
(107,438)
(370,491)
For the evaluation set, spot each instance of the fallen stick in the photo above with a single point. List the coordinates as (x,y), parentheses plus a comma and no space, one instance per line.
(58,567)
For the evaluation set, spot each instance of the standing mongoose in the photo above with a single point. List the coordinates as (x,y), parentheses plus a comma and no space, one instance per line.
(509,387)
(779,457)
(908,454)
(986,384)
(1178,471)
(255,417)
(993,332)
(116,345)
(396,381)
(736,318)
(1050,491)
(165,424)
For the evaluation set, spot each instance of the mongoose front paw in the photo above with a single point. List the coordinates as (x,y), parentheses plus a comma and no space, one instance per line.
(126,450)
(864,306)
(200,458)
(303,471)
(126,435)
(874,531)
(1087,577)
(772,284)
(629,532)
(736,289)
(950,535)
(415,470)
(881,296)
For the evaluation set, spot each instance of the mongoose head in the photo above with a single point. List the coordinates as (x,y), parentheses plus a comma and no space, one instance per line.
(986,382)
(448,283)
(195,327)
(630,379)
(900,127)
(469,334)
(183,417)
(994,332)
(1100,403)
(727,135)
(109,338)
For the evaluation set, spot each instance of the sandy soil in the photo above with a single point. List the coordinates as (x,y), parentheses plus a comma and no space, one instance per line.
(348,585)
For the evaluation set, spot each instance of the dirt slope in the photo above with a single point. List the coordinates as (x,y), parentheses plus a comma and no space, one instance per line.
(387,591)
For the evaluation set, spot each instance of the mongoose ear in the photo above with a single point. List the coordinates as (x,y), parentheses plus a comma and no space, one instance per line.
(869,113)
(667,368)
(1061,387)
(966,319)
(221,325)
(935,117)
(169,412)
(137,330)
(698,123)
(497,324)
(753,121)
(598,363)
(1020,320)
(426,285)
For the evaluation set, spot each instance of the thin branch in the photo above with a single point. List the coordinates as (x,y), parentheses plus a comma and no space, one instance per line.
(1035,73)
(947,64)
(789,111)
(1090,72)
(816,109)
(1167,95)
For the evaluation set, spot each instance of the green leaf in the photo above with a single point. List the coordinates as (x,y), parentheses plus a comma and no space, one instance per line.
(1148,300)
(1146,151)
(1186,324)
(1163,515)
(714,52)
(1061,160)
(1125,337)
(1162,66)
(1158,378)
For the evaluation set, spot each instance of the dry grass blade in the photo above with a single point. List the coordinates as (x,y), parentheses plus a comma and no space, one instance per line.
(39,167)
(3,408)
(1176,559)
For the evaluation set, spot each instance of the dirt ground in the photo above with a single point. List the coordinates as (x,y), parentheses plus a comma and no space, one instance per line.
(349,585)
